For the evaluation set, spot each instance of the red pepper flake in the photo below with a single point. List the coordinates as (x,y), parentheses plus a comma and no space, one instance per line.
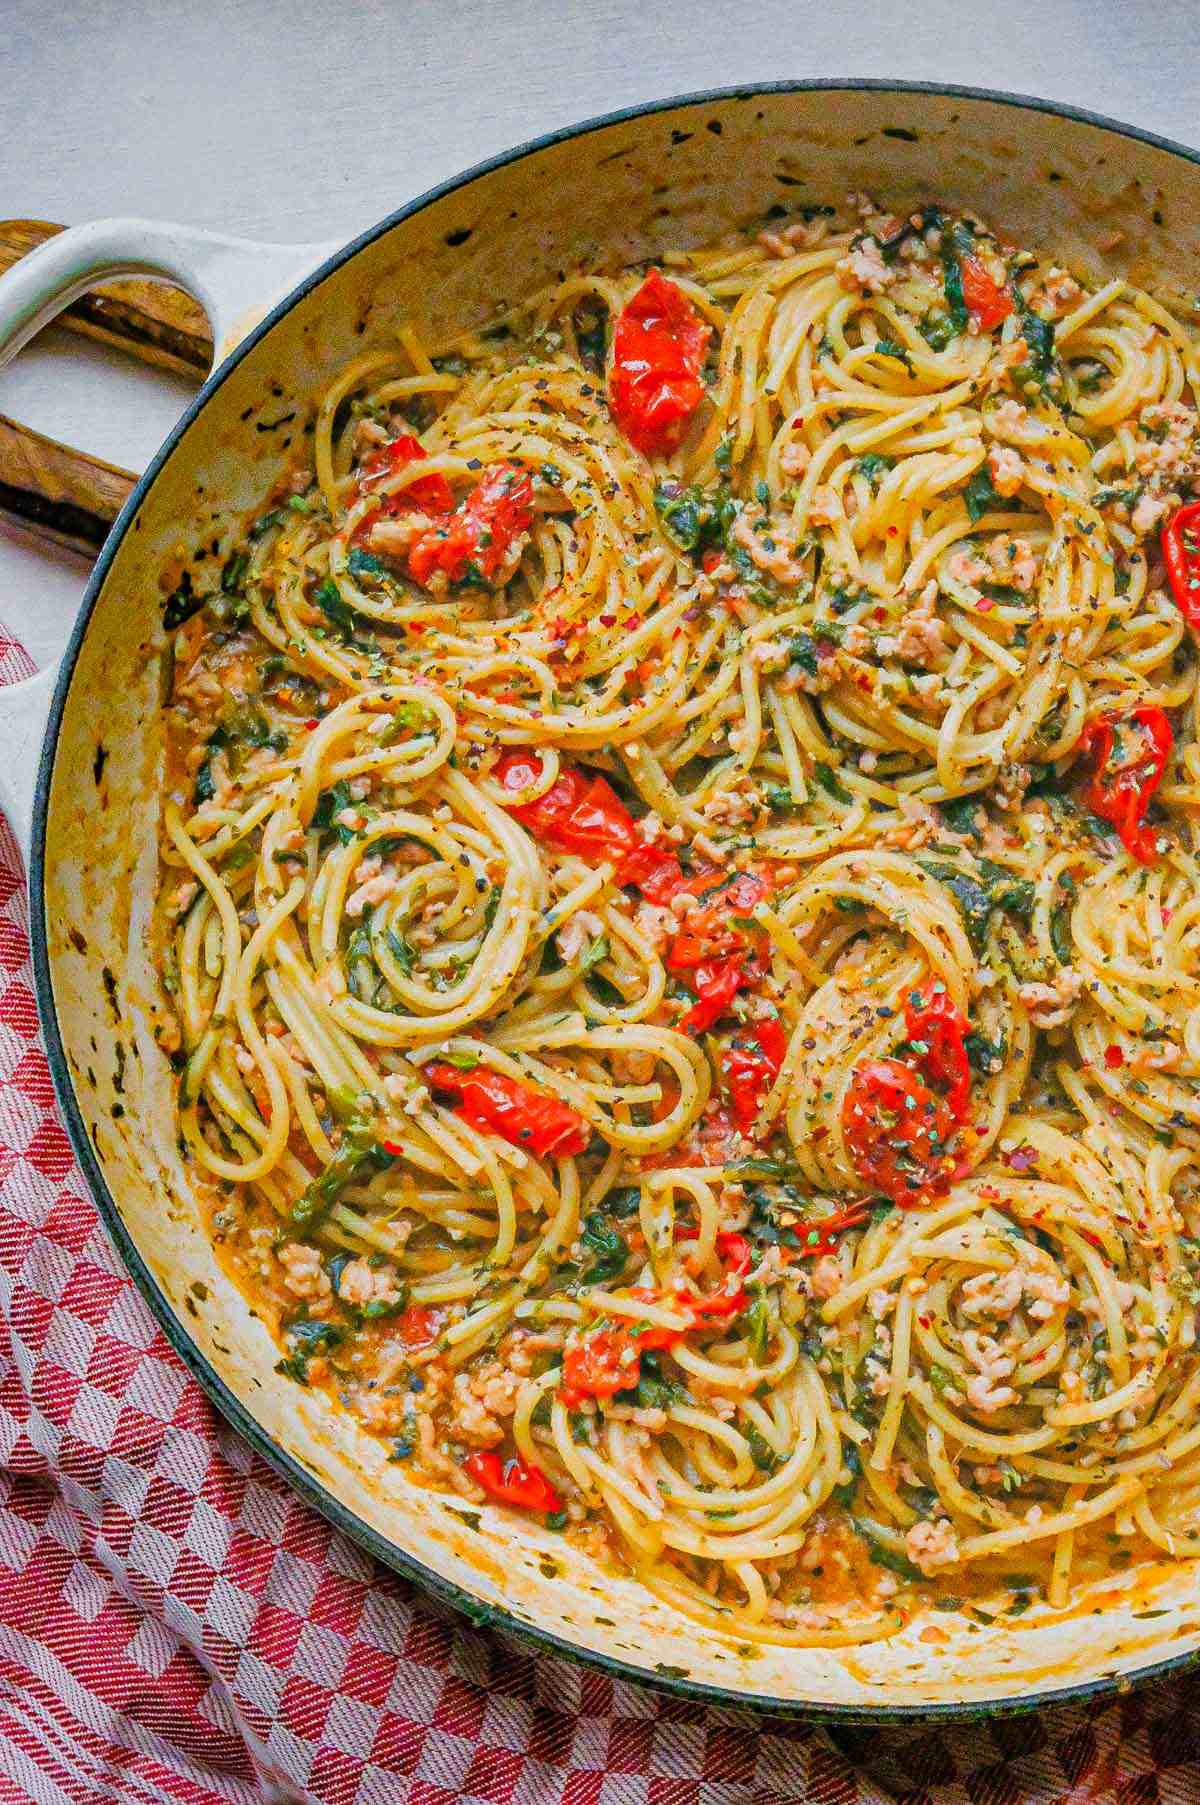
(1114,1058)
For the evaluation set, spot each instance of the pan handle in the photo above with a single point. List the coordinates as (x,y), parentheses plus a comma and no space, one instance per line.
(235,280)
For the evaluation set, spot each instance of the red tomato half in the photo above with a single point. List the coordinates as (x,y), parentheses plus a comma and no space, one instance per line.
(498,1104)
(477,538)
(431,494)
(654,385)
(897,1132)
(986,300)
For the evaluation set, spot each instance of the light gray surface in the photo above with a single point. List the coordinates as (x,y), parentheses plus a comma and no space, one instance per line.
(308,119)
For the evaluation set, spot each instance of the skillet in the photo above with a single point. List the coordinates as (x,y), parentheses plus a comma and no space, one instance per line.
(80,754)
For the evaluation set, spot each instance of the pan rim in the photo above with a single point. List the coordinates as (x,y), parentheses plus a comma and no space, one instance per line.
(224,1400)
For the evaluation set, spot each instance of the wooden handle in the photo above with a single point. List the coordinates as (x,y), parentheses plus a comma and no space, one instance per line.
(50,490)
(56,493)
(152,321)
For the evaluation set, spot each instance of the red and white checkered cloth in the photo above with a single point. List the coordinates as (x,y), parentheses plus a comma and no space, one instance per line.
(177,1629)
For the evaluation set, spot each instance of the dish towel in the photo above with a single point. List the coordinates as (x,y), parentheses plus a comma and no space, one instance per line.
(176,1628)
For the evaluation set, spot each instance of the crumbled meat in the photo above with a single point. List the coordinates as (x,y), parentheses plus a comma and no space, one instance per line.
(932,1544)
(304,1274)
(359,1284)
(394,536)
(768,549)
(1150,510)
(1057,295)
(1009,420)
(374,880)
(1011,785)
(922,636)
(1013,562)
(999,1294)
(1006,468)
(825,508)
(965,566)
(582,930)
(863,268)
(985,1390)
(1051,1005)
(826,1277)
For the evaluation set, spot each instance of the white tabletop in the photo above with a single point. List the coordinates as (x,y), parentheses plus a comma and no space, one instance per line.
(309,119)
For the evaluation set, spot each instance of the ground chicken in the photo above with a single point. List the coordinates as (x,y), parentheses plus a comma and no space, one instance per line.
(582,930)
(825,508)
(731,808)
(497,1387)
(440,1466)
(922,636)
(304,1274)
(1052,1005)
(771,553)
(919,827)
(1013,562)
(470,1419)
(999,1294)
(966,566)
(826,1277)
(795,458)
(931,1545)
(1150,510)
(394,536)
(655,923)
(1011,785)
(361,1284)
(801,232)
(863,268)
(985,1390)
(1057,296)
(407,1091)
(1009,420)
(1170,449)
(1006,468)
(374,881)
(369,435)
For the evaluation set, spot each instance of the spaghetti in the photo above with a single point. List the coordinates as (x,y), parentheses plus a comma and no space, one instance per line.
(680,919)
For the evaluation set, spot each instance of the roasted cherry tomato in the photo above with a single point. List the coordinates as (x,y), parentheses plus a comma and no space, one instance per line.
(1127,755)
(583,814)
(431,494)
(937,1031)
(654,385)
(987,301)
(897,1132)
(713,953)
(737,1256)
(476,539)
(608,1360)
(750,1065)
(716,983)
(708,933)
(498,1104)
(1181,555)
(513,1481)
(599,1366)
(419,1325)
